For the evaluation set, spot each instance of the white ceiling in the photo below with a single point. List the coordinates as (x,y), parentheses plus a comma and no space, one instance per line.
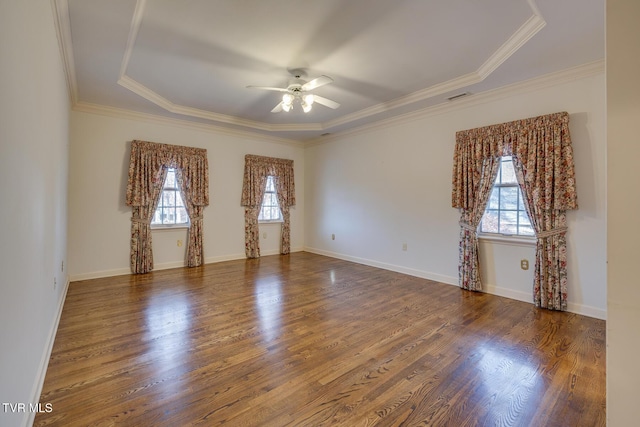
(193,59)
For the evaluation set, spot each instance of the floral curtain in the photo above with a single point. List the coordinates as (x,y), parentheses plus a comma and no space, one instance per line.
(256,171)
(543,158)
(147,171)
(468,266)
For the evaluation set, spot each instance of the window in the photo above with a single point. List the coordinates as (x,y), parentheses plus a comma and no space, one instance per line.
(505,212)
(170,210)
(270,209)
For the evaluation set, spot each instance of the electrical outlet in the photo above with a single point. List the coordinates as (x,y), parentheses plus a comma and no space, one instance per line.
(333,237)
(179,243)
(62,267)
(264,235)
(524,264)
(404,246)
(55,283)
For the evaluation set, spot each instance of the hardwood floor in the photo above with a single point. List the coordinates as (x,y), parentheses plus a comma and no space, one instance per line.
(306,340)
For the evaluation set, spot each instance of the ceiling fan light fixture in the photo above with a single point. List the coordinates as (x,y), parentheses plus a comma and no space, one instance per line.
(308,99)
(287,99)
(297,92)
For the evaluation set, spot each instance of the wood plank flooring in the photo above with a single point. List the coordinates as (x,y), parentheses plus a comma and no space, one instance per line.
(307,340)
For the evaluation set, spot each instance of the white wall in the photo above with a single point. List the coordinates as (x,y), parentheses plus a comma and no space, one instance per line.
(387,185)
(34,130)
(99,220)
(623,206)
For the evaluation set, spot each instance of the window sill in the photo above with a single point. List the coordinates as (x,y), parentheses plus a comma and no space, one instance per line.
(275,221)
(508,240)
(170,227)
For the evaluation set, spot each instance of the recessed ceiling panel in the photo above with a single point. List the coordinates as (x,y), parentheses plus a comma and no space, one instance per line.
(193,59)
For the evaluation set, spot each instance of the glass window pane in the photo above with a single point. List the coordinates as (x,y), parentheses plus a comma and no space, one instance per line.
(508,173)
(506,212)
(179,201)
(494,199)
(181,216)
(157,217)
(168,216)
(526,231)
(270,185)
(489,223)
(521,201)
(509,198)
(508,222)
(169,198)
(170,181)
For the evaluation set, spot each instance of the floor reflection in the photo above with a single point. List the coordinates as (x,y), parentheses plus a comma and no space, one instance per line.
(268,303)
(168,319)
(507,375)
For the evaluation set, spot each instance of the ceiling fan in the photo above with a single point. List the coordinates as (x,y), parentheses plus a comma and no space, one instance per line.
(298,91)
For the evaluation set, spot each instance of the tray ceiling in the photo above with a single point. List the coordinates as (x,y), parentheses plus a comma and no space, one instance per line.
(192,60)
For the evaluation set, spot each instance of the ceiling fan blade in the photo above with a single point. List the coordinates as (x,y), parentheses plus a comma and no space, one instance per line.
(277,89)
(277,108)
(317,82)
(326,102)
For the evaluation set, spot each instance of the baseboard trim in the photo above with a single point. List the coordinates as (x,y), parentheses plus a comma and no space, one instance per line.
(168,265)
(448,280)
(581,309)
(44,362)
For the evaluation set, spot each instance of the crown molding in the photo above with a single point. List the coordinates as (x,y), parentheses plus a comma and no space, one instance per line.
(538,83)
(523,34)
(518,39)
(121,113)
(62,24)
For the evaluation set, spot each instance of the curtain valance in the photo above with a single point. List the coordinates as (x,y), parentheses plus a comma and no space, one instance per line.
(542,144)
(148,158)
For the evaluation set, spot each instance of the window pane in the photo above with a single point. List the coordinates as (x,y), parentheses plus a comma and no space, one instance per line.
(521,206)
(508,222)
(166,212)
(270,210)
(181,216)
(506,212)
(489,222)
(270,185)
(168,198)
(267,214)
(170,181)
(508,173)
(509,198)
(157,217)
(525,225)
(494,199)
(526,231)
(179,201)
(169,216)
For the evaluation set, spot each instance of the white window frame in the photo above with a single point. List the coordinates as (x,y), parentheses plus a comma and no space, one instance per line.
(176,190)
(269,201)
(523,239)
